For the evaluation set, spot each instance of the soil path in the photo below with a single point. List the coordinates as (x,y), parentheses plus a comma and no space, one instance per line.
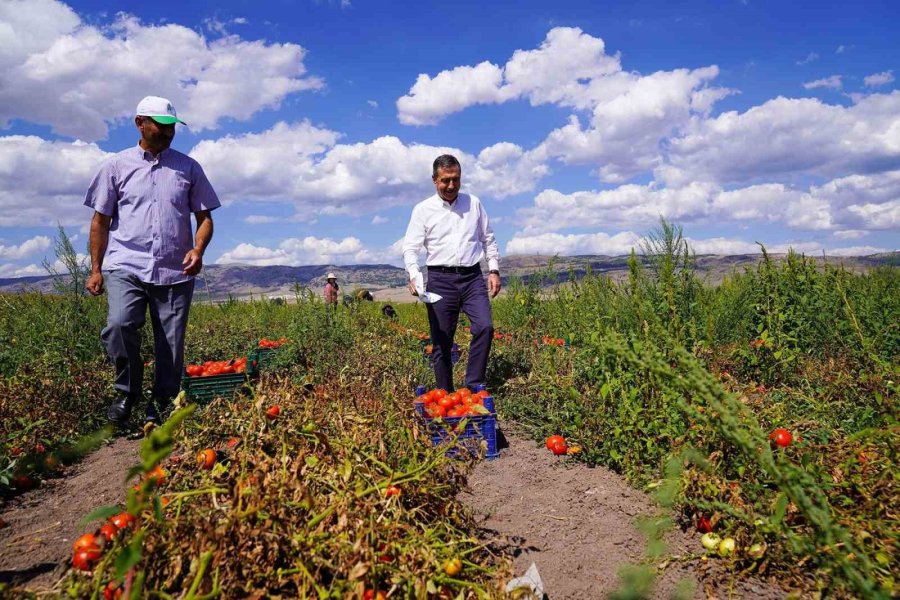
(574,522)
(577,524)
(36,545)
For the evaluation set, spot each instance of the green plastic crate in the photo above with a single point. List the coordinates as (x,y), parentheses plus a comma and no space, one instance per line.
(260,358)
(205,389)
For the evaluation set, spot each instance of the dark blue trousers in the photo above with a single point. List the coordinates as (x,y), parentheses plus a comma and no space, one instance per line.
(466,293)
(128,299)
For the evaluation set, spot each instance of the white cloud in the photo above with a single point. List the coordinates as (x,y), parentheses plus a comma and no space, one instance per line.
(833,82)
(372,103)
(43,182)
(379,220)
(627,114)
(787,137)
(9,270)
(842,48)
(857,202)
(850,234)
(809,58)
(27,248)
(877,79)
(260,219)
(304,165)
(80,78)
(573,244)
(296,251)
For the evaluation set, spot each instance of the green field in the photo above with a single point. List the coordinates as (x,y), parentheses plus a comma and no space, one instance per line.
(671,382)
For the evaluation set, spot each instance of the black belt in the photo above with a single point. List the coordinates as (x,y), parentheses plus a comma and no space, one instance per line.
(476,268)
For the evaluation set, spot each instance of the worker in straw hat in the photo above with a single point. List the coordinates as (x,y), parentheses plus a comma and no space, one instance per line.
(144,253)
(331,290)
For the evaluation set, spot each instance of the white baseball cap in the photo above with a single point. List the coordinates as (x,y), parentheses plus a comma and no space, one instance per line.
(158,109)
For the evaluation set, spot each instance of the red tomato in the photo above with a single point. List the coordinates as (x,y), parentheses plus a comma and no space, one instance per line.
(446,402)
(781,437)
(194,370)
(108,532)
(392,490)
(272,412)
(85,542)
(112,591)
(227,369)
(703,524)
(554,439)
(206,458)
(39,448)
(559,448)
(83,560)
(374,595)
(123,521)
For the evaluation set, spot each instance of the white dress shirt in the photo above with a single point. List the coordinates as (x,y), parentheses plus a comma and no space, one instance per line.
(454,235)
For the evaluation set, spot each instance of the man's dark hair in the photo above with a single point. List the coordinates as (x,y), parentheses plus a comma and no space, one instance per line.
(444,161)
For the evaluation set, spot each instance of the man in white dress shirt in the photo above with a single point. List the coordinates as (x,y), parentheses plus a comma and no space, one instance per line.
(456,235)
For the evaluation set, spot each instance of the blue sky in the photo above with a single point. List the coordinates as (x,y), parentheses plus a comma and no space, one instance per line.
(577,123)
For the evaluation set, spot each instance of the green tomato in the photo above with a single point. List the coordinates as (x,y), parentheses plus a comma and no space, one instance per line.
(727,546)
(710,541)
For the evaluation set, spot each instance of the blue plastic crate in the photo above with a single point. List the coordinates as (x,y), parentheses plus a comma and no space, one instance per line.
(478,429)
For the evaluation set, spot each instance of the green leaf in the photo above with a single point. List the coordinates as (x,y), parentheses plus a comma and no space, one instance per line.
(130,555)
(100,514)
(780,509)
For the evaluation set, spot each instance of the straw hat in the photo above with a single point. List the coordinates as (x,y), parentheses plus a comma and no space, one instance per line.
(331,276)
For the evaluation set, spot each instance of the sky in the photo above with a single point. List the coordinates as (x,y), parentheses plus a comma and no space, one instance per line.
(578,123)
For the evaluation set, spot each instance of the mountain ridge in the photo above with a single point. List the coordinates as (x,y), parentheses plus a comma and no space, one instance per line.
(388,282)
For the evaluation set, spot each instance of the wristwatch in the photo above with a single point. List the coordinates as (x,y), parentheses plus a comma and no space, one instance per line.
(494,272)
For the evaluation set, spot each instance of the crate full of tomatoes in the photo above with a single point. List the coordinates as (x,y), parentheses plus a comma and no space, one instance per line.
(265,351)
(464,421)
(215,378)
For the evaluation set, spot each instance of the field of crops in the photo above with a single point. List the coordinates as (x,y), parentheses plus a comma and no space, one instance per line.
(674,384)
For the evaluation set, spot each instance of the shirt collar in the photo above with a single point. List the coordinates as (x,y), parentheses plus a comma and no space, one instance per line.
(146,154)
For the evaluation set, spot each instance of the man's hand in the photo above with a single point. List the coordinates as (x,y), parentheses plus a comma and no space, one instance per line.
(95,284)
(193,262)
(493,285)
(412,287)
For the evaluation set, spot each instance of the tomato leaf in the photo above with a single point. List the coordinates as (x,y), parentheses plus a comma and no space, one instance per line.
(100,514)
(130,555)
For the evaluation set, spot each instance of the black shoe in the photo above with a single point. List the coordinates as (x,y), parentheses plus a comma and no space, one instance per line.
(119,410)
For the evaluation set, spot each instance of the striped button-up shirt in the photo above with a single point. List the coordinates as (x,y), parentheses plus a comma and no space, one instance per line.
(150,199)
(454,235)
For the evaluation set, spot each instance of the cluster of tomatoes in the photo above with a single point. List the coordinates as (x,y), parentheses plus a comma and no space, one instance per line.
(88,549)
(267,343)
(503,336)
(549,341)
(461,403)
(218,367)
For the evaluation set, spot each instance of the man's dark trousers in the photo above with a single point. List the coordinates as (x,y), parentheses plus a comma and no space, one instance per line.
(466,292)
(129,299)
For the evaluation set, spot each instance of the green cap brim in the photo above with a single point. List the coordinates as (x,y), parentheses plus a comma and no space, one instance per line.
(166,119)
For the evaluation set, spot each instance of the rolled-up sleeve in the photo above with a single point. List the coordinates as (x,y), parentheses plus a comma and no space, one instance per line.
(102,195)
(412,242)
(203,196)
(490,242)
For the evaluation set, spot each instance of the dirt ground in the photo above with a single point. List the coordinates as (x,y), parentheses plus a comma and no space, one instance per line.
(576,524)
(42,525)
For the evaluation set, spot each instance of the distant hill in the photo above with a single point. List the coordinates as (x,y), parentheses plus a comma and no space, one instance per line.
(388,282)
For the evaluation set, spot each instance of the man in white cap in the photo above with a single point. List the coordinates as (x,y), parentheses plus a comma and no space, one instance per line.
(144,250)
(331,290)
